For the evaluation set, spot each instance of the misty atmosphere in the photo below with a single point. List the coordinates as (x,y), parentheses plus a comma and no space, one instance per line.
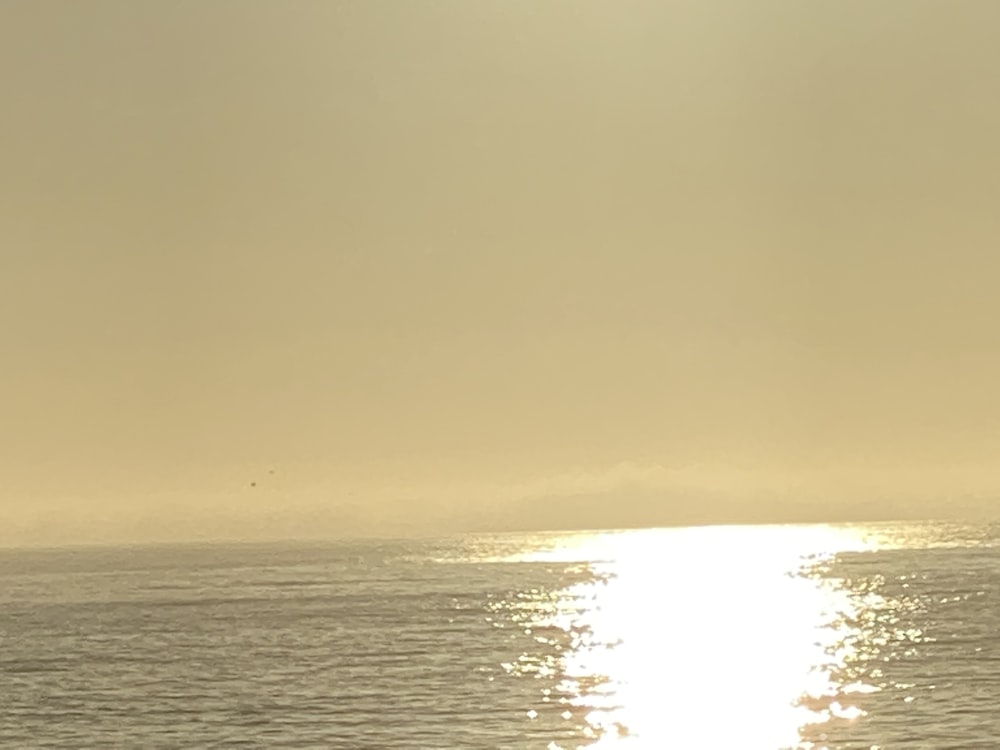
(478,374)
(431,262)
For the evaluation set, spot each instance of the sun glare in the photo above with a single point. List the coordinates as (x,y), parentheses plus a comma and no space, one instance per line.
(699,636)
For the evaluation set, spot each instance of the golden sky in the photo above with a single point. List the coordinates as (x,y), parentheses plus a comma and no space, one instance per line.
(444,264)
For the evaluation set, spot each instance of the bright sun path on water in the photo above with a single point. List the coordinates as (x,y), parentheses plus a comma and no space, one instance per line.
(704,637)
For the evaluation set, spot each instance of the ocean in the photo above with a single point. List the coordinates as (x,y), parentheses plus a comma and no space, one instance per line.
(842,636)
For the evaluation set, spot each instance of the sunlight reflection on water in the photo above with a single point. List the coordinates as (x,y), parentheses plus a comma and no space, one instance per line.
(720,632)
(860,637)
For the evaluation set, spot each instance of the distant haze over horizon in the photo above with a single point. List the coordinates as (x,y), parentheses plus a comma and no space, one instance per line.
(277,269)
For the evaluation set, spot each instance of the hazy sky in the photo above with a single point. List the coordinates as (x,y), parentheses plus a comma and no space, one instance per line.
(443,263)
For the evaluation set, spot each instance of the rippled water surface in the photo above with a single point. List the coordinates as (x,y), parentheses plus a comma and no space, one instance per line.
(884,636)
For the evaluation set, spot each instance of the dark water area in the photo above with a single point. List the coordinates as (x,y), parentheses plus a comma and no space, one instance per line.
(752,637)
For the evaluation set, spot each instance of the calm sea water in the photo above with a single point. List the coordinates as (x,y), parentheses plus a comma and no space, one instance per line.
(881,636)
